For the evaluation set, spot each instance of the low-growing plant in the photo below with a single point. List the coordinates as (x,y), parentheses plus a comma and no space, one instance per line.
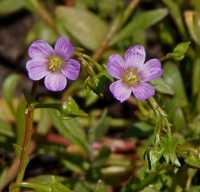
(109,101)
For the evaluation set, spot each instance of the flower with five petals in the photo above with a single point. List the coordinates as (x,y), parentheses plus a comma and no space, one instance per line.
(54,65)
(133,74)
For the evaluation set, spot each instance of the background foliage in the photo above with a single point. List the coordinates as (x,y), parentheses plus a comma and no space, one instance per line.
(93,143)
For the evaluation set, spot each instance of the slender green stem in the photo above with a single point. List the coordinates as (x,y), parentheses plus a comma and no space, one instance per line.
(91,60)
(117,24)
(26,145)
(40,9)
(12,108)
(86,64)
(176,15)
(161,119)
(24,155)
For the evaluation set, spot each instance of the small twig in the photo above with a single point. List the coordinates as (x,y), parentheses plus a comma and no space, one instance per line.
(40,9)
(26,145)
(117,24)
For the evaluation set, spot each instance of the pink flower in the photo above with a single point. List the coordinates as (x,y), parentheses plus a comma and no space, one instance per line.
(54,65)
(133,73)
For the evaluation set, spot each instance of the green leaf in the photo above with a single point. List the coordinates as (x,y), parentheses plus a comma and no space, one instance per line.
(89,96)
(102,157)
(101,187)
(193,160)
(175,114)
(3,175)
(161,86)
(138,37)
(9,88)
(71,108)
(196,5)
(197,25)
(198,102)
(41,31)
(83,25)
(195,77)
(172,76)
(98,83)
(140,129)
(100,128)
(179,119)
(150,188)
(44,122)
(70,129)
(58,187)
(72,166)
(153,156)
(20,120)
(10,6)
(36,187)
(6,129)
(46,183)
(46,179)
(175,12)
(81,187)
(192,26)
(140,23)
(195,188)
(103,79)
(166,36)
(146,180)
(179,51)
(168,147)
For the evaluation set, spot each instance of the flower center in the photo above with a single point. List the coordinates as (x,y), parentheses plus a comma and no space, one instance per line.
(55,63)
(131,77)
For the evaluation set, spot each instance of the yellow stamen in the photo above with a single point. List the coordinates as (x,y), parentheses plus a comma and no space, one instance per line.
(131,77)
(55,63)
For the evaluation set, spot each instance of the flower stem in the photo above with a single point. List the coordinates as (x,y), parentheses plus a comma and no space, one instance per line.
(26,145)
(40,9)
(24,155)
(117,24)
(86,64)
(12,171)
(161,119)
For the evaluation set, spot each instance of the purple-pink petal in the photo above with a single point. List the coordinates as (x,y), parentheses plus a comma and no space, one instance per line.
(143,91)
(151,70)
(135,56)
(64,48)
(37,69)
(120,91)
(71,69)
(55,81)
(115,66)
(40,49)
